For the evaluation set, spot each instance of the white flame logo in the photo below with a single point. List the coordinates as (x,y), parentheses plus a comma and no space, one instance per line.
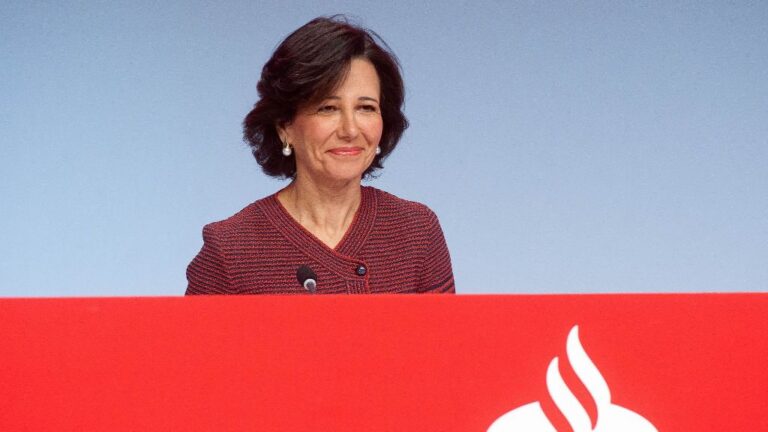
(610,418)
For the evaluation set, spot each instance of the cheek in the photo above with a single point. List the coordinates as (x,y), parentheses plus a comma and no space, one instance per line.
(308,132)
(374,129)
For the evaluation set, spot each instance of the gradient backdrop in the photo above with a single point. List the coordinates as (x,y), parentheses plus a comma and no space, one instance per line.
(566,146)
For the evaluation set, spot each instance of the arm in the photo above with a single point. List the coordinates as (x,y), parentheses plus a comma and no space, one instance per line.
(207,273)
(437,273)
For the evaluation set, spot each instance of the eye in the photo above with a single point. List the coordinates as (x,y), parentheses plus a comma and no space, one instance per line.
(369,108)
(324,109)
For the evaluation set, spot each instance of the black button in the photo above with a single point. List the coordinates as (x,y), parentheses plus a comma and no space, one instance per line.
(361,270)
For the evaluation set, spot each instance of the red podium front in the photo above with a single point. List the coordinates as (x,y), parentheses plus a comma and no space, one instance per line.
(386,363)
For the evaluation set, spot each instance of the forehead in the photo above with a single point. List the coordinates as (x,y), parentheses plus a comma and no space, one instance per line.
(360,79)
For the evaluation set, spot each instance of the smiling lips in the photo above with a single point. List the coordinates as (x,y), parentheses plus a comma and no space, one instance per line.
(346,151)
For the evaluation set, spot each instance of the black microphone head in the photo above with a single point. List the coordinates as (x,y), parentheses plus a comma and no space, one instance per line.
(307,278)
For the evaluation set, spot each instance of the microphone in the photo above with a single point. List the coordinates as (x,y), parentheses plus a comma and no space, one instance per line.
(307,278)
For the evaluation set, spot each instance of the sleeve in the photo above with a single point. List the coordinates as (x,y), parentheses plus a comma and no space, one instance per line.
(437,273)
(207,273)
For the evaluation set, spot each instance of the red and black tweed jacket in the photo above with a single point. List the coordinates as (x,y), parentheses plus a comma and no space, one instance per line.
(392,246)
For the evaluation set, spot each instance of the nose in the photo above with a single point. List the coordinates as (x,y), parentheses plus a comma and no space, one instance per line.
(348,129)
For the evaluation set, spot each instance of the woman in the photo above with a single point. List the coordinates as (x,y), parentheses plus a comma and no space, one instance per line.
(329,114)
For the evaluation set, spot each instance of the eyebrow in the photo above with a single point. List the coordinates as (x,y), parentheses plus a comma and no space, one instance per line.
(360,98)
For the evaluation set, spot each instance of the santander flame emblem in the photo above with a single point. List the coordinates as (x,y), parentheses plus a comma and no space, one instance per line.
(610,417)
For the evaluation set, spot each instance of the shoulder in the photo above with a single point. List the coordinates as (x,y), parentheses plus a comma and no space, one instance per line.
(403,216)
(248,219)
(388,203)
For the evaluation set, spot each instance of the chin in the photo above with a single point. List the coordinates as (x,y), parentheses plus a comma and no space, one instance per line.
(346,178)
(347,171)
(347,174)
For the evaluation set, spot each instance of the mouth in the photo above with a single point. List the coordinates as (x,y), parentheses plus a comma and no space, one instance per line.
(345,151)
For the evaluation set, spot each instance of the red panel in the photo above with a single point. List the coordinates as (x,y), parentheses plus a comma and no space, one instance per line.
(350,363)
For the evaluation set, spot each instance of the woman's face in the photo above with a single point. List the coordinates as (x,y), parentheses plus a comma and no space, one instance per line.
(335,140)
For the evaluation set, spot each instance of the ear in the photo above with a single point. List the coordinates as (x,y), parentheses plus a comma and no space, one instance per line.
(284,132)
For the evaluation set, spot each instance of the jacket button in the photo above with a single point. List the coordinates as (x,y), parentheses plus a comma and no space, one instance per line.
(361,270)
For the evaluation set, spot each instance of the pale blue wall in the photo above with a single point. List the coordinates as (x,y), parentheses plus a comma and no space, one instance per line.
(566,146)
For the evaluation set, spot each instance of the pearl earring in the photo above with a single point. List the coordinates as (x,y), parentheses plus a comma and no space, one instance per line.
(378,150)
(287,151)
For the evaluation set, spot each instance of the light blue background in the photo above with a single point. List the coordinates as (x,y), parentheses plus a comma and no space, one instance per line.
(565,146)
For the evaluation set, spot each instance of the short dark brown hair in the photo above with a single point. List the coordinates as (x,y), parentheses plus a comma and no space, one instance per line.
(308,65)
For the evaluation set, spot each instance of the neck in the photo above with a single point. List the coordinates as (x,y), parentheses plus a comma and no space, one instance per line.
(326,211)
